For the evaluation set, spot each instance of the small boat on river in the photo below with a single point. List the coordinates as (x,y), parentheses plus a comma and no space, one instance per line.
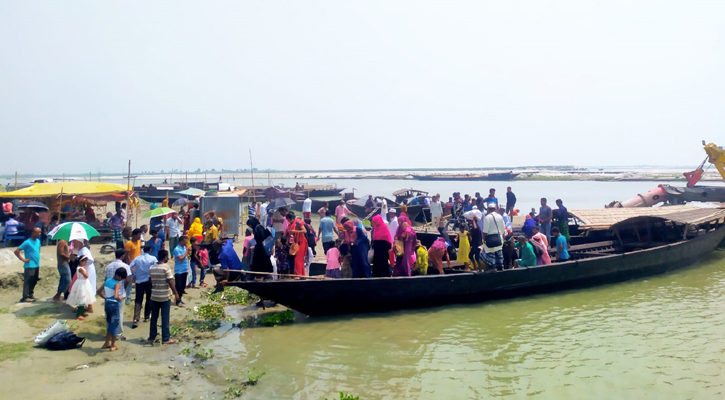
(646,241)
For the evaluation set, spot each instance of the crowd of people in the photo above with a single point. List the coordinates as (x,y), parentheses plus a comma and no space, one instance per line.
(163,259)
(389,246)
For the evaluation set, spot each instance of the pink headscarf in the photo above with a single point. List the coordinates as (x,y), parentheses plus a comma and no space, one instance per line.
(403,218)
(350,234)
(380,231)
(440,244)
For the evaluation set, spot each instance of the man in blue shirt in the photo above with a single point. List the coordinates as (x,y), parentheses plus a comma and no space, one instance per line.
(140,270)
(562,249)
(327,228)
(31,268)
(492,197)
(230,264)
(467,203)
(157,243)
(181,267)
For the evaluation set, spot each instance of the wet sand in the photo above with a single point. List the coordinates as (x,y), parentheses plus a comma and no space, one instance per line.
(136,370)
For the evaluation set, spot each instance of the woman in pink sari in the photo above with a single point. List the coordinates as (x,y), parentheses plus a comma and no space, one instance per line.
(297,234)
(437,253)
(538,242)
(382,243)
(404,263)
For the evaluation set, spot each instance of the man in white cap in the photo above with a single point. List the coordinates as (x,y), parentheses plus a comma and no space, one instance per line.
(392,222)
(436,210)
(493,229)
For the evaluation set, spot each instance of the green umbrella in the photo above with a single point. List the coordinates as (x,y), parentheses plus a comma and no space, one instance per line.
(73,231)
(158,212)
(192,192)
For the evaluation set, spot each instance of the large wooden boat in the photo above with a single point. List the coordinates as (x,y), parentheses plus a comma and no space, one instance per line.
(645,245)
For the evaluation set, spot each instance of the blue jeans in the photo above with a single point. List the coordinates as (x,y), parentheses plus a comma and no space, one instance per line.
(192,266)
(113,317)
(65,278)
(164,307)
(202,274)
(545,228)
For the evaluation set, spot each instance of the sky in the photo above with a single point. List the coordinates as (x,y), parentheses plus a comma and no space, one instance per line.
(88,85)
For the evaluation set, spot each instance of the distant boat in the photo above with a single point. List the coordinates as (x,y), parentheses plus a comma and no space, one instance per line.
(493,176)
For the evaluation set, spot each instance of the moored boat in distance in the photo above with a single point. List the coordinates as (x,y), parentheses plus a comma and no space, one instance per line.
(645,245)
(492,176)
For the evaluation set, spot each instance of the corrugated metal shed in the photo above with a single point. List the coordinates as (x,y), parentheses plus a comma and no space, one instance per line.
(228,207)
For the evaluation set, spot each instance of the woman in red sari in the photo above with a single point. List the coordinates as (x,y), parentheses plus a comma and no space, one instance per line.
(297,234)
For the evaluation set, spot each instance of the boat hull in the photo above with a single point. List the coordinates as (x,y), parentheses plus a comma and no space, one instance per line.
(345,296)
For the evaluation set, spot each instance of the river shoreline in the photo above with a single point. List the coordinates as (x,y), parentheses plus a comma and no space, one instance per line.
(263,178)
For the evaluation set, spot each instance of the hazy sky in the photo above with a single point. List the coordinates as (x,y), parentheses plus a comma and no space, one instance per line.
(358,84)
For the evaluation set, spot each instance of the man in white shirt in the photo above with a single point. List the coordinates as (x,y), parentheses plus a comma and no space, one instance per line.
(393,224)
(174,226)
(263,213)
(436,210)
(492,226)
(307,208)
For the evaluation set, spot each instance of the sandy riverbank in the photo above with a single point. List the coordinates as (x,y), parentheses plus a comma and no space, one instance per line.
(137,370)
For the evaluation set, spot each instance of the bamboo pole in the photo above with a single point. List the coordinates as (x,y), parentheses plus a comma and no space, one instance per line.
(60,205)
(128,183)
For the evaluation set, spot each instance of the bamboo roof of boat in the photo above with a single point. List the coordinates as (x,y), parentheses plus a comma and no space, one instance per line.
(608,217)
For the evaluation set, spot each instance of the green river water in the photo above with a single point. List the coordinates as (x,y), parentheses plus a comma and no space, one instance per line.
(656,338)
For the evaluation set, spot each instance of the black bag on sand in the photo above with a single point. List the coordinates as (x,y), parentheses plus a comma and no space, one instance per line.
(65,341)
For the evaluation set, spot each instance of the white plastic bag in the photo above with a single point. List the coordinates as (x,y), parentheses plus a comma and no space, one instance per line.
(57,327)
(472,213)
(274,267)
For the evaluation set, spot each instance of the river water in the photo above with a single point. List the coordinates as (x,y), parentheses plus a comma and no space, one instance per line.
(656,338)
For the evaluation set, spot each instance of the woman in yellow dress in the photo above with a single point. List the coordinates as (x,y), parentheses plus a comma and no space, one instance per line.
(464,247)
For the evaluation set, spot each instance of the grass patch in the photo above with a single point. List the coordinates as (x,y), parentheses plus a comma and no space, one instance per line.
(210,312)
(345,396)
(253,377)
(12,351)
(198,352)
(277,318)
(232,296)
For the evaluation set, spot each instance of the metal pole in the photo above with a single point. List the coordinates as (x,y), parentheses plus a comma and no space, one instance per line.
(16,180)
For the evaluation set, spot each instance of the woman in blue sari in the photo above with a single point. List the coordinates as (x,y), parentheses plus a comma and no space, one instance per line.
(360,265)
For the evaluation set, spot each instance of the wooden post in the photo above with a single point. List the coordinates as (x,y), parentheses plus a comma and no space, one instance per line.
(684,235)
(60,205)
